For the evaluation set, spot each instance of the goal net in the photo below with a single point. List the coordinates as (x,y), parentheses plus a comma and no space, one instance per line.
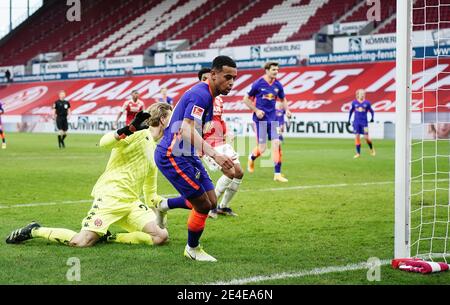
(423,129)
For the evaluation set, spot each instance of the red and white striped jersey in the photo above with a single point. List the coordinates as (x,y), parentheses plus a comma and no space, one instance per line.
(131,108)
(215,136)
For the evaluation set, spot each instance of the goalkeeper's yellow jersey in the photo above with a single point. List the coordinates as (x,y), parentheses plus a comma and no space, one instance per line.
(131,169)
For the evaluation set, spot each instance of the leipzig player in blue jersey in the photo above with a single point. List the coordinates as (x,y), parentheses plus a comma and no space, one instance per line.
(266,91)
(164,97)
(360,107)
(176,155)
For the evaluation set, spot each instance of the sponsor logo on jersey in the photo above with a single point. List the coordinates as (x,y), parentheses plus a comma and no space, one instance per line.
(98,222)
(197,112)
(269,96)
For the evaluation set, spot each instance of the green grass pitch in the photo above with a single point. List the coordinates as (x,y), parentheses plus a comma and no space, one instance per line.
(324,216)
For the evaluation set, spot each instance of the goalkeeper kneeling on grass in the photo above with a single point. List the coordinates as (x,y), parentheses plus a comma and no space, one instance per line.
(130,173)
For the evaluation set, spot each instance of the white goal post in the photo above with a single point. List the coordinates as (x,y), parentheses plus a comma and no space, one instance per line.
(422,135)
(402,129)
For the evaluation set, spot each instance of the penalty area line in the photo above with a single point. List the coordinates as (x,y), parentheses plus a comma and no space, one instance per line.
(299,274)
(38,204)
(322,270)
(274,189)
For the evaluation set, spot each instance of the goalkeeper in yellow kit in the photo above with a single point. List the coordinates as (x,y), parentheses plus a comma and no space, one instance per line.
(130,173)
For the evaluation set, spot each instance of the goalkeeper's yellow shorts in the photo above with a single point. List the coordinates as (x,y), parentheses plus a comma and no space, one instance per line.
(107,210)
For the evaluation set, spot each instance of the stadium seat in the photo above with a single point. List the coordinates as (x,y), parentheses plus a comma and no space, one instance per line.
(426,15)
(275,25)
(127,27)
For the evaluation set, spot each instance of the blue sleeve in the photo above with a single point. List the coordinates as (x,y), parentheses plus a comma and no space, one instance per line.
(196,108)
(253,90)
(352,109)
(281,94)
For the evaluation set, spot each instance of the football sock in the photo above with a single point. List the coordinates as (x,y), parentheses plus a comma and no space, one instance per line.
(370,144)
(59,140)
(133,238)
(176,203)
(277,160)
(2,135)
(230,192)
(54,234)
(278,168)
(196,225)
(222,185)
(256,153)
(358,146)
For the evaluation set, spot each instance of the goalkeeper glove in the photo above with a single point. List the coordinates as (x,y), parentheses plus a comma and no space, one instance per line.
(137,124)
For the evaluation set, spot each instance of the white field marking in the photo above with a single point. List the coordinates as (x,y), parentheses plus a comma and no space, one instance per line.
(34,157)
(317,271)
(318,186)
(38,204)
(59,157)
(303,273)
(298,187)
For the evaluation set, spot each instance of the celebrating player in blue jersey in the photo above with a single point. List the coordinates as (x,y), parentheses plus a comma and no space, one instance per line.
(176,155)
(266,90)
(360,107)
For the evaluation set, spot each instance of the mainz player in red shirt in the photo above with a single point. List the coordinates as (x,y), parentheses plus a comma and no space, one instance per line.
(131,108)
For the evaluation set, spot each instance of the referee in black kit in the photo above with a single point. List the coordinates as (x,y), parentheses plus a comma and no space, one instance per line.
(62,111)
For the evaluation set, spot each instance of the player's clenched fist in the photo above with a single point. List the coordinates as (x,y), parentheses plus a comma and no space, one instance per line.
(223,161)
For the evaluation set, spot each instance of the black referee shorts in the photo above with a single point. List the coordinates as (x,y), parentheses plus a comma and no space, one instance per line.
(61,123)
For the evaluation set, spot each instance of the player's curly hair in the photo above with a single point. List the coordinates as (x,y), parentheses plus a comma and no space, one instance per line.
(220,61)
(203,71)
(157,112)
